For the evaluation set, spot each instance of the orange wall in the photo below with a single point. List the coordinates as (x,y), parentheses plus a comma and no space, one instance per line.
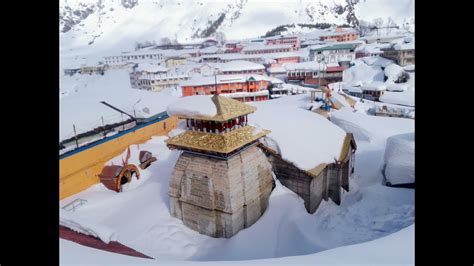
(80,171)
(233,87)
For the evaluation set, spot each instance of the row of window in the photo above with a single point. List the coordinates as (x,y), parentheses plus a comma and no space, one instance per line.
(298,74)
(216,127)
(118,59)
(268,51)
(243,72)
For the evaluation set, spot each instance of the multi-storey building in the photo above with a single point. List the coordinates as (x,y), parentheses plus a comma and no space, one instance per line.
(340,35)
(250,87)
(267,49)
(284,40)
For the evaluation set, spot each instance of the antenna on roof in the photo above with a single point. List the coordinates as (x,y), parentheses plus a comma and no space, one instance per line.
(215,81)
(116,109)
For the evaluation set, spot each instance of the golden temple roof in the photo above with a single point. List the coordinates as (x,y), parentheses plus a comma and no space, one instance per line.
(220,143)
(226,109)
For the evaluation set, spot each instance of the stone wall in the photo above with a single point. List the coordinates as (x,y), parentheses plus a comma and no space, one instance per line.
(220,197)
(312,189)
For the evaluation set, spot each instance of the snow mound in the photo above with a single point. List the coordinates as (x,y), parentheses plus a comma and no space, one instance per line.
(86,227)
(400,159)
(305,138)
(358,75)
(402,98)
(193,105)
(377,61)
(371,128)
(397,87)
(393,71)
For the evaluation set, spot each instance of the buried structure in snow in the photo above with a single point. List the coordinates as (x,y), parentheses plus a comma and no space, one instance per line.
(223,179)
(221,182)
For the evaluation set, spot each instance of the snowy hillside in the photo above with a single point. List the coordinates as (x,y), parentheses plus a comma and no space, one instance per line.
(112,26)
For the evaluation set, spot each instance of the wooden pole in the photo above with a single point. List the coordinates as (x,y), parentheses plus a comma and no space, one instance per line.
(75,135)
(103,125)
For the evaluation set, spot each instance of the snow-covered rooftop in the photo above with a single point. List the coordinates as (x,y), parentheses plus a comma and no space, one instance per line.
(407,43)
(360,74)
(308,65)
(239,65)
(259,47)
(341,32)
(406,97)
(318,141)
(197,105)
(221,79)
(153,68)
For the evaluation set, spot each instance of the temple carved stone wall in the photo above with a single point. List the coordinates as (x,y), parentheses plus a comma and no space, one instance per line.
(219,197)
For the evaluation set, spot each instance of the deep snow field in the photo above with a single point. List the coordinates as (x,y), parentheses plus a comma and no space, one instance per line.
(370,211)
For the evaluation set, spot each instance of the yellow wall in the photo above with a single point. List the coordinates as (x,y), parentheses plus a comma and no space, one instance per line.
(175,62)
(79,171)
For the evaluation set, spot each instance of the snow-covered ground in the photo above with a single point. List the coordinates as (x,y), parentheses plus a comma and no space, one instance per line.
(80,97)
(400,159)
(140,215)
(396,248)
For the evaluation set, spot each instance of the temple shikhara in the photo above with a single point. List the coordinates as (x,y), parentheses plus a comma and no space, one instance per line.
(222,181)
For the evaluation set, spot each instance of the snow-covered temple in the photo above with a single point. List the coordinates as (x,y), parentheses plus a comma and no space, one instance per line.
(222,181)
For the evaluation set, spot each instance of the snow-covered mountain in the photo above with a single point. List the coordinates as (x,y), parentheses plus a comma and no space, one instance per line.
(111,26)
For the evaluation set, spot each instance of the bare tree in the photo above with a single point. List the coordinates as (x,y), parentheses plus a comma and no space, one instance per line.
(165,41)
(390,24)
(364,27)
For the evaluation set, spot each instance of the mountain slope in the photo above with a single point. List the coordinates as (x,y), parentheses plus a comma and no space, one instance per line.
(112,26)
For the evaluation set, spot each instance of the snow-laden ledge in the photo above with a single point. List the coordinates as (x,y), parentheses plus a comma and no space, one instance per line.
(84,226)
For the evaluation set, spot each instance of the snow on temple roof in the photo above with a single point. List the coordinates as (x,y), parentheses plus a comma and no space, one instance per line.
(223,108)
(318,142)
(226,109)
(193,105)
(221,79)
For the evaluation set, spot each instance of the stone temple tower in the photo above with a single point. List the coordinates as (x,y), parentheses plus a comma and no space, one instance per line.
(222,181)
